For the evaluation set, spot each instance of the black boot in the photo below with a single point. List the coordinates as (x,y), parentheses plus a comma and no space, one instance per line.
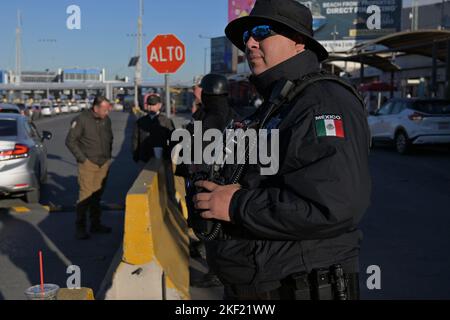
(96,214)
(81,234)
(81,211)
(101,229)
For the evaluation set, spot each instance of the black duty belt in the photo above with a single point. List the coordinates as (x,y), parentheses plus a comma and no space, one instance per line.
(320,284)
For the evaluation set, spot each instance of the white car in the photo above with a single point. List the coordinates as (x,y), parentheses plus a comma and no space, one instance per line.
(409,122)
(65,108)
(47,111)
(74,108)
(57,109)
(82,105)
(23,157)
(118,107)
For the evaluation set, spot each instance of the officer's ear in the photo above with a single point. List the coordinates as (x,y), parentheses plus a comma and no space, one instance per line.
(299,43)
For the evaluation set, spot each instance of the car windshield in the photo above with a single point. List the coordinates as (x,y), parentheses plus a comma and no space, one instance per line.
(433,107)
(8,110)
(8,127)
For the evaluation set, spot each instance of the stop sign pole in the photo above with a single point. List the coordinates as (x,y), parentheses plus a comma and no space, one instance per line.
(166,54)
(168,102)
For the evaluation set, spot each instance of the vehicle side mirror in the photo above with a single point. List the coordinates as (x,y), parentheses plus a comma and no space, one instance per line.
(47,135)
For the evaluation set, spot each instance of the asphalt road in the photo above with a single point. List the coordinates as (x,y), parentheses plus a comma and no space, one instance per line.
(23,235)
(406,229)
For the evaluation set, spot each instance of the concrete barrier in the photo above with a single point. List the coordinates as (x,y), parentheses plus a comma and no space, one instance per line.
(154,260)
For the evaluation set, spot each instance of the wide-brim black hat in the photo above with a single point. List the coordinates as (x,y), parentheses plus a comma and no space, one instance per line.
(278,13)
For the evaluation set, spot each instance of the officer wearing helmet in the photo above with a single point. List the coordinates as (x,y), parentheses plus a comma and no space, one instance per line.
(214,113)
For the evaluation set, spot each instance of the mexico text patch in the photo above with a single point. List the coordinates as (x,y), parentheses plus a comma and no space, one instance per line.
(329,125)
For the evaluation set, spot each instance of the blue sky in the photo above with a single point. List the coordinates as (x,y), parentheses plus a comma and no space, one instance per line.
(102,40)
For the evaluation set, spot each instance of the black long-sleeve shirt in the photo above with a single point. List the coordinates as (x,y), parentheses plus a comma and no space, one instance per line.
(151,132)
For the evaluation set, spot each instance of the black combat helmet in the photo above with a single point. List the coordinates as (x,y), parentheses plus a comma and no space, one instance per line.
(214,84)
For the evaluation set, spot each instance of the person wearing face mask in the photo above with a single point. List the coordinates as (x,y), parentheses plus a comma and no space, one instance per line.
(152,132)
(212,110)
(292,234)
(214,113)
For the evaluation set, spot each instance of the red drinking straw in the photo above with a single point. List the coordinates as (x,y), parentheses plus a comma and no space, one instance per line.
(42,271)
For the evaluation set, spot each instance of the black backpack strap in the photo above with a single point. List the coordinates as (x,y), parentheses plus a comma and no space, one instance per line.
(312,78)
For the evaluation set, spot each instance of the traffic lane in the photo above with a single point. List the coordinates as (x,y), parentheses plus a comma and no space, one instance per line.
(54,232)
(406,227)
(22,236)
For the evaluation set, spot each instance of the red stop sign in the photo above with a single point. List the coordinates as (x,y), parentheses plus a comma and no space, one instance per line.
(166,54)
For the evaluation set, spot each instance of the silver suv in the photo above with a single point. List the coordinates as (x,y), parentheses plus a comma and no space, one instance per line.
(23,157)
(412,122)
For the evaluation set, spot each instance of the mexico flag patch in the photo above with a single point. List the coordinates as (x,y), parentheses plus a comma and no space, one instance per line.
(329,126)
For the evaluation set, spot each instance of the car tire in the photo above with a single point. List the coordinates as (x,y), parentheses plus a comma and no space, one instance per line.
(372,143)
(33,196)
(44,177)
(402,143)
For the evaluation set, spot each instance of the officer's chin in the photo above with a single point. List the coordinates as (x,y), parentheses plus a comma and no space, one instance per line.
(257,68)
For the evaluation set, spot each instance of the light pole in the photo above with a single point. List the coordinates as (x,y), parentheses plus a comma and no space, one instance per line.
(48,88)
(414,16)
(52,60)
(206,60)
(206,51)
(138,75)
(138,66)
(334,34)
(19,48)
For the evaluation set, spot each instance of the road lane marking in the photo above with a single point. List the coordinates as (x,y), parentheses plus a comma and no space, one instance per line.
(21,209)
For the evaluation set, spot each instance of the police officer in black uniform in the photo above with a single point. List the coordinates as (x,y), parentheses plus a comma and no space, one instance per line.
(152,130)
(214,113)
(293,235)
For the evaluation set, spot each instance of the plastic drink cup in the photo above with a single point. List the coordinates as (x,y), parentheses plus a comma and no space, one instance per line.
(49,293)
(158,152)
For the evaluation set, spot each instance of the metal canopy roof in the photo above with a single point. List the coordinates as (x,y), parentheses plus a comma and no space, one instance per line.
(378,52)
(409,42)
(376,61)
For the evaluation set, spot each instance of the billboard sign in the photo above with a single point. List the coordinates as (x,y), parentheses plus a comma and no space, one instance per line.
(239,8)
(340,24)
